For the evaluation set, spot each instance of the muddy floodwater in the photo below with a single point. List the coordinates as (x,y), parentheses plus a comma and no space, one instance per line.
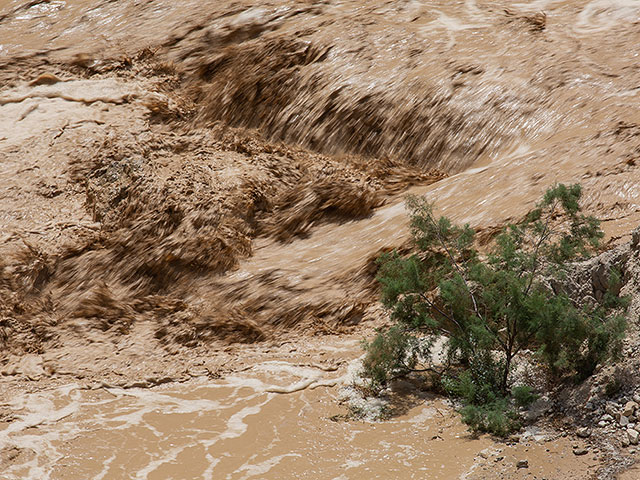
(193,195)
(276,419)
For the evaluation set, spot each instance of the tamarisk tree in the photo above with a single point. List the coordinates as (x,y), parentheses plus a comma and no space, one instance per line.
(492,306)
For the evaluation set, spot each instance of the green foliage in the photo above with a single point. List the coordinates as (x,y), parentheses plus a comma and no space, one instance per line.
(497,417)
(491,307)
(613,387)
(391,353)
(523,395)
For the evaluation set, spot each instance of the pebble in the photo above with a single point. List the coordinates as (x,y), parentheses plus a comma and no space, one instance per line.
(629,409)
(580,451)
(583,432)
(522,464)
(624,441)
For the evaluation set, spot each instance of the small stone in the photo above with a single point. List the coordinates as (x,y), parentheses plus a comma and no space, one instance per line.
(583,432)
(580,451)
(633,436)
(498,459)
(629,409)
(636,398)
(632,451)
(606,417)
(624,421)
(624,441)
(610,408)
(522,464)
(602,424)
(635,240)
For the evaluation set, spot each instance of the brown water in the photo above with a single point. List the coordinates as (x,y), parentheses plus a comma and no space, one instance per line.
(232,428)
(245,426)
(502,98)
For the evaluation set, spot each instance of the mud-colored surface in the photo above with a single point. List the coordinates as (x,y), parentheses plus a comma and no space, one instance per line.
(177,177)
(247,425)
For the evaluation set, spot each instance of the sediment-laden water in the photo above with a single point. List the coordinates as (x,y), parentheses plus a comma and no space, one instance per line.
(180,176)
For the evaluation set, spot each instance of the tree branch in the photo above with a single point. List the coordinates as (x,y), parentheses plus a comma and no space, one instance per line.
(457,267)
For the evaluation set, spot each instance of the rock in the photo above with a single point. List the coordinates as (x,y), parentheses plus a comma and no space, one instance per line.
(580,451)
(633,436)
(635,240)
(32,366)
(624,441)
(624,421)
(583,432)
(538,408)
(629,409)
(153,381)
(522,464)
(611,409)
(485,453)
(636,398)
(602,424)
(136,384)
(606,417)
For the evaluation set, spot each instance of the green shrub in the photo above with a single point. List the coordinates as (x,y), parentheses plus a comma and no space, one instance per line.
(523,395)
(391,353)
(497,418)
(492,307)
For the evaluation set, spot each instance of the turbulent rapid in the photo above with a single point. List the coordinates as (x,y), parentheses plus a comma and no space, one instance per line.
(205,188)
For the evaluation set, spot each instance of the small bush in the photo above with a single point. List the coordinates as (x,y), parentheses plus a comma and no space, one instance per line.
(523,396)
(497,418)
(613,387)
(491,307)
(389,354)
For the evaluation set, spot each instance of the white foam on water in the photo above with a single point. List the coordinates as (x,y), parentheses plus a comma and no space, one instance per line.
(352,464)
(451,25)
(170,456)
(47,421)
(427,413)
(39,410)
(536,5)
(253,470)
(236,425)
(602,15)
(208,473)
(105,468)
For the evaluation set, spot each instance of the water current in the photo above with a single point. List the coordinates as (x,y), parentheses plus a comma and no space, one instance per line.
(509,111)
